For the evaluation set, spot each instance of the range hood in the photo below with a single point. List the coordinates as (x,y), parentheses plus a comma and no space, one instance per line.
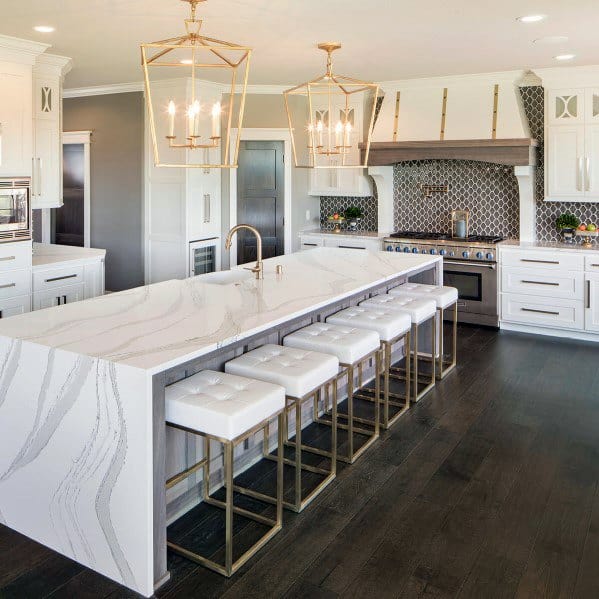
(478,117)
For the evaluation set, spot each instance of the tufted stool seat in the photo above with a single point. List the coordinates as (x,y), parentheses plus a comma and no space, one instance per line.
(222,405)
(354,347)
(226,409)
(420,311)
(303,374)
(393,328)
(445,297)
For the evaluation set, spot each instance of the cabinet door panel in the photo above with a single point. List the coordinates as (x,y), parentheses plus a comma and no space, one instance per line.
(565,158)
(47,183)
(15,305)
(592,105)
(592,303)
(59,296)
(566,106)
(591,162)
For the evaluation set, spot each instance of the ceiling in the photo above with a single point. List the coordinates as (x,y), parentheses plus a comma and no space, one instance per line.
(383,39)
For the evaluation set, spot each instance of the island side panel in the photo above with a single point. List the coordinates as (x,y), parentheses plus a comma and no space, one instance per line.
(76,458)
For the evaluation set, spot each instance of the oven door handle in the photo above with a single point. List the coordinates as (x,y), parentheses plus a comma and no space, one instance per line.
(473,264)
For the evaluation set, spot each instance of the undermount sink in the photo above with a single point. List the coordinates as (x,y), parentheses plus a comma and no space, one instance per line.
(226,277)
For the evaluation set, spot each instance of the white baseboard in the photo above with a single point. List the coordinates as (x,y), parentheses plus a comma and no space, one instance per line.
(548,332)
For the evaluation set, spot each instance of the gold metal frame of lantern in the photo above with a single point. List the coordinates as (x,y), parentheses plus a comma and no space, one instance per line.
(324,141)
(197,49)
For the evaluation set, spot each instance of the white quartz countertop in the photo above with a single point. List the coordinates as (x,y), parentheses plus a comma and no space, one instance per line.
(353,234)
(165,324)
(49,254)
(547,245)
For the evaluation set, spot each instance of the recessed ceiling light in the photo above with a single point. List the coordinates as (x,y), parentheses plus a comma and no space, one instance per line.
(531,18)
(565,56)
(44,29)
(186,61)
(551,40)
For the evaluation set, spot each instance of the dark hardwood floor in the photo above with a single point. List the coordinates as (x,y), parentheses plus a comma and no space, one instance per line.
(487,488)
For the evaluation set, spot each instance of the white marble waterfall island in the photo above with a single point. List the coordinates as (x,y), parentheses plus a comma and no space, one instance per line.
(82,435)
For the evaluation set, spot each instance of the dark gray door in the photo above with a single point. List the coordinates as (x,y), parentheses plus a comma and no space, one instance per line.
(260,198)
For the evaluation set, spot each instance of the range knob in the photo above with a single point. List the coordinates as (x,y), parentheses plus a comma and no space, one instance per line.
(443,252)
(389,248)
(479,255)
(465,254)
(398,249)
(423,251)
(490,256)
(433,251)
(451,254)
(414,250)
(406,250)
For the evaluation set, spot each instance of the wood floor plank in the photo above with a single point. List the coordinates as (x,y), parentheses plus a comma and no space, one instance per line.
(587,582)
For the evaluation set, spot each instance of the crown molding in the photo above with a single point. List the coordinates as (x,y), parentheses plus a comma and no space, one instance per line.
(585,76)
(15,49)
(103,90)
(52,64)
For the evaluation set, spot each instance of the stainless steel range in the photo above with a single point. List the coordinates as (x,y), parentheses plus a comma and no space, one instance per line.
(469,264)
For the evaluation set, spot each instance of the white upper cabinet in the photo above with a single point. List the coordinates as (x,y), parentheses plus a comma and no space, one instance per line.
(48,74)
(571,134)
(15,120)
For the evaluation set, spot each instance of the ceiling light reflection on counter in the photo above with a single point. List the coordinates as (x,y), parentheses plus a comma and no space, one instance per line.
(531,18)
(44,29)
(564,57)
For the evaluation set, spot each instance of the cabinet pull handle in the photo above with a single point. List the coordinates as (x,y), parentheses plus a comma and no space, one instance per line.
(595,265)
(539,261)
(60,278)
(587,177)
(579,176)
(64,299)
(588,293)
(58,300)
(7,258)
(311,244)
(39,179)
(207,214)
(540,283)
(7,286)
(540,311)
(351,247)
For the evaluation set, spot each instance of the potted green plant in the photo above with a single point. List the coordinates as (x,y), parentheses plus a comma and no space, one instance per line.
(353,214)
(567,224)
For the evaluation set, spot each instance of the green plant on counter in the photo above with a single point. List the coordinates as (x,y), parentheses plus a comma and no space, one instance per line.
(353,212)
(567,221)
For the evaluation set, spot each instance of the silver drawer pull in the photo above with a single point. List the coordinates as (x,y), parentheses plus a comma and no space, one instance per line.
(7,258)
(539,261)
(311,244)
(350,247)
(595,265)
(8,286)
(540,283)
(540,311)
(60,278)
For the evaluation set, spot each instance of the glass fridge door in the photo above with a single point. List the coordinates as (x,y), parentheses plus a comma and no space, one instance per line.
(204,260)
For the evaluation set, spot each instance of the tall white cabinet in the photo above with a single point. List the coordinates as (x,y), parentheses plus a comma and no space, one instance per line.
(182,205)
(572,135)
(48,75)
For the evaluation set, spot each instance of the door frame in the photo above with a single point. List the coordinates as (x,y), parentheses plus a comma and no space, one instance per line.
(82,138)
(263,134)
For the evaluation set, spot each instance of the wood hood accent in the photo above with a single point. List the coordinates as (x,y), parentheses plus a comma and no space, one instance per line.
(512,152)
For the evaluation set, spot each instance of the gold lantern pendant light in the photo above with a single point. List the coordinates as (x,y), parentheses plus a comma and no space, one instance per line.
(195,89)
(331,118)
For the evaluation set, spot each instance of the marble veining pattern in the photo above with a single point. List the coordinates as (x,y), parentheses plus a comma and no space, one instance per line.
(156,326)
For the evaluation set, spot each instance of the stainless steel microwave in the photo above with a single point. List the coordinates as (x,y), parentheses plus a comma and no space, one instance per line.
(15,209)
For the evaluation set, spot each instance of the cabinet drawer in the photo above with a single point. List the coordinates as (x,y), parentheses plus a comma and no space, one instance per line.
(308,242)
(568,285)
(57,277)
(15,305)
(543,260)
(59,296)
(14,256)
(15,282)
(591,263)
(540,311)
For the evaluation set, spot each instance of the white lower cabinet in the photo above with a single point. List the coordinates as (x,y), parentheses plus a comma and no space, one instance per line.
(14,306)
(555,291)
(592,302)
(348,242)
(58,296)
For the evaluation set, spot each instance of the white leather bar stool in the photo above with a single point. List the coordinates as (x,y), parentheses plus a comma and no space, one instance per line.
(446,297)
(303,374)
(353,347)
(419,312)
(227,409)
(392,328)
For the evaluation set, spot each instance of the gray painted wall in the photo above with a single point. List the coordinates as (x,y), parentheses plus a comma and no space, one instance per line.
(117,122)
